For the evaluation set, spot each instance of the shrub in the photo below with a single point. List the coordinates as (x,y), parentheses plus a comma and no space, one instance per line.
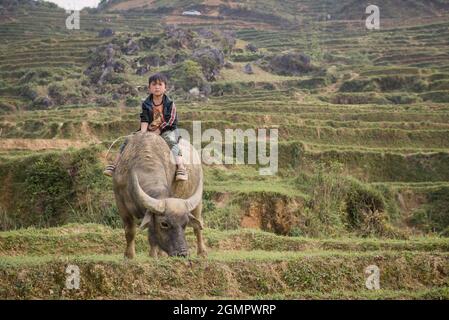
(401,82)
(434,215)
(132,102)
(56,188)
(57,92)
(188,75)
(339,204)
(326,207)
(48,188)
(356,98)
(403,98)
(6,107)
(357,85)
(436,96)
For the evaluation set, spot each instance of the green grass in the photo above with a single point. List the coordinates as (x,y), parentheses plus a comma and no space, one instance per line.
(97,239)
(86,196)
(174,279)
(426,294)
(236,274)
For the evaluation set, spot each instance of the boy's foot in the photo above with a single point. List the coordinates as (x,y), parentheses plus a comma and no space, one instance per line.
(109,170)
(181,174)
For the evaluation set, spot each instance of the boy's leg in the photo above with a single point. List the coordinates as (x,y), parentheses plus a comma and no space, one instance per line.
(170,138)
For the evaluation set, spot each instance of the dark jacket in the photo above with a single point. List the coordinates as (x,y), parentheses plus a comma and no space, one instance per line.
(169,112)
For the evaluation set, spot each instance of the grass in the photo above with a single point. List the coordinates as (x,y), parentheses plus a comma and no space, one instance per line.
(273,199)
(426,294)
(241,264)
(236,74)
(226,256)
(97,239)
(233,274)
(393,139)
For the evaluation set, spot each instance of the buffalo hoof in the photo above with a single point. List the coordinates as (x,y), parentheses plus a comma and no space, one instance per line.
(202,253)
(129,255)
(154,253)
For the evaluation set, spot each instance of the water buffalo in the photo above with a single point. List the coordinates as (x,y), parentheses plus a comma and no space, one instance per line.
(145,188)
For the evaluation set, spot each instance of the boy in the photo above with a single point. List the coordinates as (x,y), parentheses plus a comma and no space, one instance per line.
(158,116)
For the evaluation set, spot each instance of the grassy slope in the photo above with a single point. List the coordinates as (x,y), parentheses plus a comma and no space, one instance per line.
(241,264)
(382,133)
(98,239)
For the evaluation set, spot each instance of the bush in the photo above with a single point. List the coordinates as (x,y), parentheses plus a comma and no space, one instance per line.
(436,96)
(356,98)
(132,102)
(28,91)
(57,92)
(188,75)
(403,99)
(227,218)
(291,63)
(434,215)
(6,107)
(226,88)
(439,85)
(325,214)
(35,76)
(42,103)
(340,204)
(357,86)
(362,200)
(445,232)
(313,83)
(48,188)
(56,188)
(401,82)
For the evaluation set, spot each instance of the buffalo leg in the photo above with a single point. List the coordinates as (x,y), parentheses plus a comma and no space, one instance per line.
(154,248)
(130,235)
(201,247)
(153,251)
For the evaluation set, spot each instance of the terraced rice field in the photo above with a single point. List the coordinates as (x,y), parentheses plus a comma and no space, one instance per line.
(241,264)
(267,236)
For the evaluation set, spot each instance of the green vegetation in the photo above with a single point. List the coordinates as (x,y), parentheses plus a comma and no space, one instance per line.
(54,189)
(363,124)
(241,264)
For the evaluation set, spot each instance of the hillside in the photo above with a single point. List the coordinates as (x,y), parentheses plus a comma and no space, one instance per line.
(363,120)
(341,10)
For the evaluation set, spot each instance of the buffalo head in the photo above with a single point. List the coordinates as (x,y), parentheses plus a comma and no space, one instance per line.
(168,218)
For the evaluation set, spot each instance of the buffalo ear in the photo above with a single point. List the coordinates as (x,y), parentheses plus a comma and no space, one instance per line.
(146,220)
(195,223)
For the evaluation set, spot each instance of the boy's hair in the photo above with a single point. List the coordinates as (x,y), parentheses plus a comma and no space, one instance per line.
(158,77)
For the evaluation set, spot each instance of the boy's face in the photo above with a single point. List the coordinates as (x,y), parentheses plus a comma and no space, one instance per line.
(157,88)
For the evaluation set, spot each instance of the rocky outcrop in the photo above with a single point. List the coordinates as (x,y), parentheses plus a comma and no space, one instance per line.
(181,38)
(292,63)
(130,47)
(211,61)
(105,65)
(251,47)
(248,69)
(142,70)
(107,32)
